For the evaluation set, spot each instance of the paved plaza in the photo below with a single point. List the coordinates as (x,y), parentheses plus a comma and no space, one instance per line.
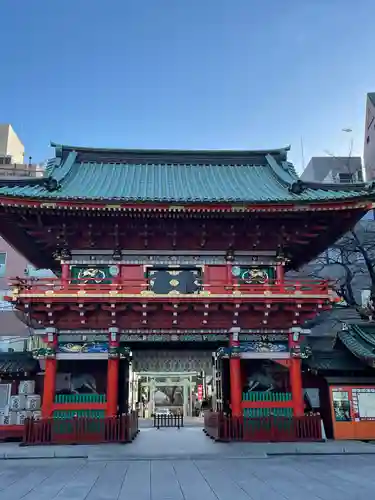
(282,478)
(173,464)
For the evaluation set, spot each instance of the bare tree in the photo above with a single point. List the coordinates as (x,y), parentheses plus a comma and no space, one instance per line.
(350,266)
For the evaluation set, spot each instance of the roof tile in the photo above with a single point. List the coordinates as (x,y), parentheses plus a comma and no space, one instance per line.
(249,177)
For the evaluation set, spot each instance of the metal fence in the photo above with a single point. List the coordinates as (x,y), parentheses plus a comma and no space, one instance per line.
(168,421)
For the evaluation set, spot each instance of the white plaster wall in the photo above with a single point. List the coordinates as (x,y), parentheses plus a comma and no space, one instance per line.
(15,147)
(10,144)
(4,132)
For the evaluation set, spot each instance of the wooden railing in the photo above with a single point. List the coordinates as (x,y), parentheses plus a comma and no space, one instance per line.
(55,286)
(267,429)
(121,429)
(212,424)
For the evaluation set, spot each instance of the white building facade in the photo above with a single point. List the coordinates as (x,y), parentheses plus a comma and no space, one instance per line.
(369,143)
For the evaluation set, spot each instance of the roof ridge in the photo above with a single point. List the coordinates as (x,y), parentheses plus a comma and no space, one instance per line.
(182,151)
(299,186)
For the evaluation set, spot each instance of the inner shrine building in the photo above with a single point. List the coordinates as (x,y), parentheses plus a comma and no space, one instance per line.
(171,279)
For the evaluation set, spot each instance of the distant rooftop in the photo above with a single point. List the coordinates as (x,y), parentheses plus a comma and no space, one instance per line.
(371,96)
(333,169)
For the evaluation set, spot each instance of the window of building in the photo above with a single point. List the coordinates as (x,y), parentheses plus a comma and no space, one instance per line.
(367,139)
(5,160)
(3,258)
(345,178)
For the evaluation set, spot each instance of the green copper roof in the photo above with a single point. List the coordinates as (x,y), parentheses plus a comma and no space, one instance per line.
(175,176)
(360,340)
(334,360)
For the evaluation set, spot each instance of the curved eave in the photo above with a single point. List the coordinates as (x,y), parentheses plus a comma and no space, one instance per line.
(234,206)
(358,349)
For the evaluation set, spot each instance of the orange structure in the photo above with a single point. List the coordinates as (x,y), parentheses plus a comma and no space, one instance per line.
(180,244)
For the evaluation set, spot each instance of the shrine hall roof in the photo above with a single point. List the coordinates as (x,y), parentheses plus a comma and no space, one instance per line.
(77,173)
(360,340)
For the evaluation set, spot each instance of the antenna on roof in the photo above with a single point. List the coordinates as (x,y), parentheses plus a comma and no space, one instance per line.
(302,155)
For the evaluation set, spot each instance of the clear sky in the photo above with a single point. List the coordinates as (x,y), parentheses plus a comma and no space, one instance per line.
(222,74)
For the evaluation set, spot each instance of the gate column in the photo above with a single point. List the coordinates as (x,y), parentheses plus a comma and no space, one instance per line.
(49,385)
(235,375)
(295,373)
(113,372)
(296,387)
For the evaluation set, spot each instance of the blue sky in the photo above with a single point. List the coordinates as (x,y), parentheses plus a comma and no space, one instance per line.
(223,74)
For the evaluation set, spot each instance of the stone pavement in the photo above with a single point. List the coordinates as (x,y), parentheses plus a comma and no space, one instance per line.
(278,478)
(183,444)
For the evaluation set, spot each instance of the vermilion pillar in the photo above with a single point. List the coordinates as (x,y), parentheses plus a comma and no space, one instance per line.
(113,372)
(229,274)
(65,274)
(49,387)
(235,376)
(295,375)
(280,272)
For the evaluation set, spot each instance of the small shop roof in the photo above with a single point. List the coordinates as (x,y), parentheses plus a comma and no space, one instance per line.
(12,363)
(167,176)
(334,360)
(360,341)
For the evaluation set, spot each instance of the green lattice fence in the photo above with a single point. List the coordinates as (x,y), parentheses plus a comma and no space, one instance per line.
(65,423)
(80,398)
(256,418)
(267,412)
(64,414)
(279,397)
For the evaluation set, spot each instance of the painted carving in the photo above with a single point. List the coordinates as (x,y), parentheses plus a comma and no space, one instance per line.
(44,353)
(96,348)
(251,275)
(256,347)
(263,347)
(91,274)
(91,347)
(302,352)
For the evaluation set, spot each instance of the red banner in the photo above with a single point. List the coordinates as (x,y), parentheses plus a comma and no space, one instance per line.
(200,392)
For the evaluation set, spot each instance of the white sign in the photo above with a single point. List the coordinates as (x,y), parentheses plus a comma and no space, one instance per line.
(366,404)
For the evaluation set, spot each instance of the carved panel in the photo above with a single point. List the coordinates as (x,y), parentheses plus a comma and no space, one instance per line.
(254,275)
(172,361)
(174,280)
